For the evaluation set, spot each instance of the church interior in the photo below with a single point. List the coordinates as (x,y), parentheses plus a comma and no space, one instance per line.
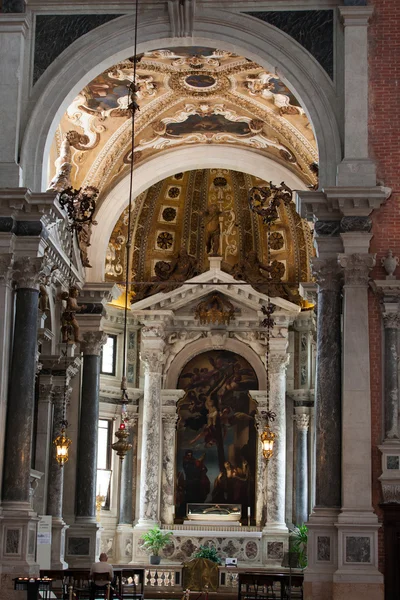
(199,300)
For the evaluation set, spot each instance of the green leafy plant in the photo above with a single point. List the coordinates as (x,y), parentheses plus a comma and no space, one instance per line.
(155,540)
(298,539)
(208,552)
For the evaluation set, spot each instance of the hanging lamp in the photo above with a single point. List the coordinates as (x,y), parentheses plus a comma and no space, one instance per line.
(265,201)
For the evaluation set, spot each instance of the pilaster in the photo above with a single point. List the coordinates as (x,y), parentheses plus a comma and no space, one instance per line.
(356,168)
(169,400)
(152,355)
(13,32)
(357,523)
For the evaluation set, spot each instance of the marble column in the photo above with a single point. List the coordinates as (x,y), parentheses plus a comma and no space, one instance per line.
(391,321)
(17,463)
(153,357)
(43,440)
(56,483)
(125,494)
(276,466)
(322,533)
(357,523)
(83,538)
(88,426)
(328,384)
(169,421)
(302,421)
(6,322)
(21,541)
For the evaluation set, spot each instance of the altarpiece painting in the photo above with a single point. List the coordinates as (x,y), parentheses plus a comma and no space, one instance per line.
(216,438)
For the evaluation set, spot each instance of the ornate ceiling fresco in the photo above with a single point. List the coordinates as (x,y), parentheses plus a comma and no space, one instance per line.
(174,223)
(186,96)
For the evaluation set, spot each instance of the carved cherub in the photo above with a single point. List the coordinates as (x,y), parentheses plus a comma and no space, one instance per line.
(69,325)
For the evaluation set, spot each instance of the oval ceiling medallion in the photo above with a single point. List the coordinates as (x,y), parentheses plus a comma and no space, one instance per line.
(200,80)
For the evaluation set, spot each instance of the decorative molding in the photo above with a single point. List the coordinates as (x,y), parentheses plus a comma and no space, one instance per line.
(92,342)
(327,273)
(356,268)
(169,420)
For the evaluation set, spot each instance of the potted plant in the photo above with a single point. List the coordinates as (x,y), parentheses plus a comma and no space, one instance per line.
(208,552)
(155,540)
(298,538)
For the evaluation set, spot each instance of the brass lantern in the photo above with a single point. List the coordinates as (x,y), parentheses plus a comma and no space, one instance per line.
(122,446)
(62,444)
(267,442)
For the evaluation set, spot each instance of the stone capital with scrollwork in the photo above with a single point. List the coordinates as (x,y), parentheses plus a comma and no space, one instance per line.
(153,359)
(92,342)
(356,268)
(302,421)
(46,392)
(391,320)
(169,420)
(60,392)
(278,362)
(28,271)
(391,493)
(327,274)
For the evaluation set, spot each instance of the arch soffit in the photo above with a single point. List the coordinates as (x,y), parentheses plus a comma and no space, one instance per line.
(165,165)
(205,344)
(101,48)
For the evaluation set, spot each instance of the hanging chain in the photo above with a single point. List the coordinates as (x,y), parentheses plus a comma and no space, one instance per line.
(133,107)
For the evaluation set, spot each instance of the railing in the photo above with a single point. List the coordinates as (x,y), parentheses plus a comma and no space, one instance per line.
(163,578)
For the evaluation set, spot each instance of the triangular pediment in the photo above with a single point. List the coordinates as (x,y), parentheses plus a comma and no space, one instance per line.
(194,290)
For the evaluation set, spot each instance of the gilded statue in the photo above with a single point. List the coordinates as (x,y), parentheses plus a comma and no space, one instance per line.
(69,325)
(180,269)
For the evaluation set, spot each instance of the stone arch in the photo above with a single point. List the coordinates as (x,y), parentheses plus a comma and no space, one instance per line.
(205,344)
(164,165)
(94,52)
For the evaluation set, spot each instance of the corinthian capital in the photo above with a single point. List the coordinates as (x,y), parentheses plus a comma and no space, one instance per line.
(6,262)
(28,271)
(92,342)
(356,268)
(278,362)
(151,332)
(327,273)
(169,420)
(302,421)
(391,320)
(153,360)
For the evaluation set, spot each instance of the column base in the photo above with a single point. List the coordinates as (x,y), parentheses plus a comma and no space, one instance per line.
(321,554)
(18,535)
(145,524)
(275,544)
(82,544)
(358,550)
(124,543)
(58,532)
